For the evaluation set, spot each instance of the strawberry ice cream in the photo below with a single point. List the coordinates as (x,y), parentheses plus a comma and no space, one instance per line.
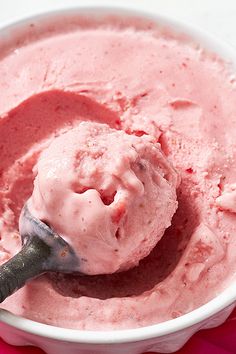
(145,86)
(109,194)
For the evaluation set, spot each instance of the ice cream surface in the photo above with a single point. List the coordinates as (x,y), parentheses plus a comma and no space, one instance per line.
(143,80)
(108,194)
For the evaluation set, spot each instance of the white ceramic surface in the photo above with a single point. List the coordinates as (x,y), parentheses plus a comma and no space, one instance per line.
(164,337)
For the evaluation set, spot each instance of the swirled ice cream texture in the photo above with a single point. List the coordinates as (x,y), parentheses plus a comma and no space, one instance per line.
(142,80)
(110,195)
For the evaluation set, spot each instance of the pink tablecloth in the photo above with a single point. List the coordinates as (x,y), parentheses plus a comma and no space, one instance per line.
(221,340)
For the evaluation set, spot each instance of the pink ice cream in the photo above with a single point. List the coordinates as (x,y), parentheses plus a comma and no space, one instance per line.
(142,80)
(109,194)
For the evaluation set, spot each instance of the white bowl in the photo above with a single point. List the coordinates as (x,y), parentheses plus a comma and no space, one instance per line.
(164,337)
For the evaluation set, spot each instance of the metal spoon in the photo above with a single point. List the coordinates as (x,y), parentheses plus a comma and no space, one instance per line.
(43,251)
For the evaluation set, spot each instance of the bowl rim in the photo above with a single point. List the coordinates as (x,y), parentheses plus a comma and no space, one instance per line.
(193,318)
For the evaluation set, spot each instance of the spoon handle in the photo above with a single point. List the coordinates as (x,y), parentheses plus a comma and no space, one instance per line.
(25,265)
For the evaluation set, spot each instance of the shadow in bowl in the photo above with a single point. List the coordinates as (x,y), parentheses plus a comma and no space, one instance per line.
(151,270)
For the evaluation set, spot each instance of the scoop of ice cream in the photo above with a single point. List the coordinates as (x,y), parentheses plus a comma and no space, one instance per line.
(109,194)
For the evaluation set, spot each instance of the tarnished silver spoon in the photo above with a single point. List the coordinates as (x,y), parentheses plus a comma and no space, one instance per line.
(42,251)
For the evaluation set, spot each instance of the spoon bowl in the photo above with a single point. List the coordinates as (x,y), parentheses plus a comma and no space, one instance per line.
(43,251)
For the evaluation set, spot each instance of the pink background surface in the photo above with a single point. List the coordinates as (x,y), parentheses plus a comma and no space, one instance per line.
(220,340)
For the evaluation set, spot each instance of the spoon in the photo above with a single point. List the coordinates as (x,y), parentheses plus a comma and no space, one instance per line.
(43,251)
